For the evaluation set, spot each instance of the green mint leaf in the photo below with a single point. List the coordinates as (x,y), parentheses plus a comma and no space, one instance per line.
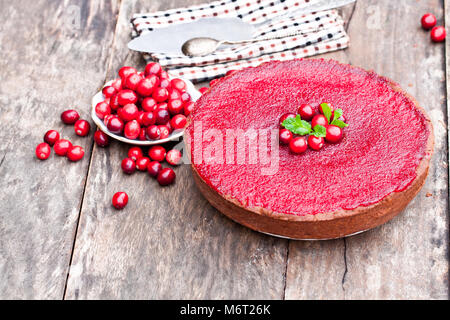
(319,131)
(337,114)
(339,123)
(326,111)
(297,125)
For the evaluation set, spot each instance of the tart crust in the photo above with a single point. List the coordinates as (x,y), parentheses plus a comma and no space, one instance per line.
(328,225)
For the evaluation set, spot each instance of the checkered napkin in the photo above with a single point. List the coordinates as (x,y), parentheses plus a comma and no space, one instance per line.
(298,35)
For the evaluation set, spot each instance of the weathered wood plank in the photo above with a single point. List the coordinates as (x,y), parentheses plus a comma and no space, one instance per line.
(406,258)
(53,57)
(168,242)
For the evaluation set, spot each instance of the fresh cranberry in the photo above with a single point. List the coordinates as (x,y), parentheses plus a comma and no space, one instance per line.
(162,105)
(185,97)
(285,116)
(101,139)
(117,84)
(142,163)
(62,146)
(140,117)
(126,96)
(102,109)
(128,165)
(285,136)
(82,128)
(178,84)
(153,132)
(153,168)
(178,122)
(173,157)
(169,126)
(315,143)
(135,153)
(319,119)
(149,104)
(157,153)
(115,125)
(166,176)
(132,81)
(51,136)
(438,34)
(175,106)
(329,104)
(306,112)
(146,86)
(174,94)
(428,21)
(132,130)
(120,200)
(70,116)
(164,131)
(126,71)
(298,145)
(188,107)
(160,94)
(165,83)
(164,75)
(203,89)
(129,112)
(148,118)
(153,68)
(109,91)
(162,116)
(334,134)
(114,102)
(75,153)
(43,151)
(107,118)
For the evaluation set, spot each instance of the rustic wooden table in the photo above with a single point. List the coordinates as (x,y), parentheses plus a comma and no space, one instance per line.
(61,239)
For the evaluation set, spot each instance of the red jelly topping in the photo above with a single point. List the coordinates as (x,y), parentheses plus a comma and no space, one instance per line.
(379,153)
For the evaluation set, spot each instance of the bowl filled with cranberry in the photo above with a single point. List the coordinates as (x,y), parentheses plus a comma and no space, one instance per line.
(144,108)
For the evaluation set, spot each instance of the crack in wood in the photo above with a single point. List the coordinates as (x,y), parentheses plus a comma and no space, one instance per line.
(344,276)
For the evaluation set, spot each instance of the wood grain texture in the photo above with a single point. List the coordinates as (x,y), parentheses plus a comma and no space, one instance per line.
(168,242)
(406,258)
(53,55)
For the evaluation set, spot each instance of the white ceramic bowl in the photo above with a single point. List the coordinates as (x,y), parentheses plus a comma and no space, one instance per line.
(175,135)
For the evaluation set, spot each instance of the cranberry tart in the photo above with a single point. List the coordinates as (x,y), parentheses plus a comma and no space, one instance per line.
(341,189)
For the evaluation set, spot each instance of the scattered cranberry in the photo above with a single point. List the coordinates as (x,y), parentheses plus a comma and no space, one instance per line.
(70,116)
(157,153)
(51,136)
(102,109)
(115,125)
(428,21)
(135,153)
(166,176)
(175,106)
(126,96)
(149,104)
(124,72)
(319,119)
(153,132)
(62,146)
(101,139)
(285,136)
(109,91)
(285,116)
(132,81)
(162,116)
(129,112)
(306,112)
(188,107)
(178,84)
(315,143)
(160,94)
(153,68)
(43,151)
(298,145)
(82,128)
(173,157)
(75,153)
(142,163)
(178,122)
(120,200)
(164,131)
(203,90)
(132,130)
(438,34)
(128,165)
(334,134)
(153,168)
